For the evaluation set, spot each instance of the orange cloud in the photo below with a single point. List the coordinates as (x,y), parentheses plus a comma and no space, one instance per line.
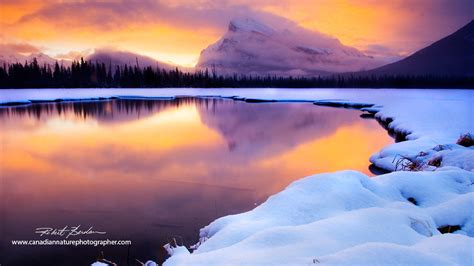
(178,30)
(402,26)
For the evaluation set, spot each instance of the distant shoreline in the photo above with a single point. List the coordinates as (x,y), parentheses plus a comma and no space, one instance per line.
(86,74)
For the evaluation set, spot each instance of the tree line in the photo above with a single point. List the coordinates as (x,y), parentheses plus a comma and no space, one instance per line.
(85,74)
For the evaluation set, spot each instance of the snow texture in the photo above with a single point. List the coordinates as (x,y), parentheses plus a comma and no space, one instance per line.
(98,263)
(347,217)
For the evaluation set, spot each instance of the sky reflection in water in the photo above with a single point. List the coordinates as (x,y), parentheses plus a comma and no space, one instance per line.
(147,170)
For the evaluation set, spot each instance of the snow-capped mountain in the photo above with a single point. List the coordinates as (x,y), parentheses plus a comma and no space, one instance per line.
(8,58)
(121,58)
(41,58)
(113,57)
(252,47)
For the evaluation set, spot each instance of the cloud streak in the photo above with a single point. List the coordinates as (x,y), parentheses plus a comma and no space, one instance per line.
(20,48)
(178,30)
(118,14)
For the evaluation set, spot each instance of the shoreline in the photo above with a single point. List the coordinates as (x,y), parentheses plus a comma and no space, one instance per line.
(370,108)
(365,108)
(416,205)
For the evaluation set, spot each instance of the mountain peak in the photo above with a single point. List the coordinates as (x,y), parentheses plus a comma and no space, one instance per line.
(280,48)
(249,25)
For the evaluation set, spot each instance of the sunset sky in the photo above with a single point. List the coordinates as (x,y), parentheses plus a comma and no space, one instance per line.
(177,30)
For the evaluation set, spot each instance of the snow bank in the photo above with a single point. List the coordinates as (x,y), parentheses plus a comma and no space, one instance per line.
(437,250)
(347,217)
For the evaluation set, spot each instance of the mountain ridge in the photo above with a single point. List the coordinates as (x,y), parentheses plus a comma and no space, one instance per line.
(254,48)
(452,55)
(121,58)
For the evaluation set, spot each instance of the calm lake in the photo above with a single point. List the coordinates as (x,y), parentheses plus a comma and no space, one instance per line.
(151,170)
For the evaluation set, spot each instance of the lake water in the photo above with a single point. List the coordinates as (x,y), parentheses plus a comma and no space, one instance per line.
(151,170)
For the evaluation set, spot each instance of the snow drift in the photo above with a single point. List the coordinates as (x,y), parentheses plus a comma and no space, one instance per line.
(347,217)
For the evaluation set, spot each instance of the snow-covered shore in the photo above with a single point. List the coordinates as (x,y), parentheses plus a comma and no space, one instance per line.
(346,217)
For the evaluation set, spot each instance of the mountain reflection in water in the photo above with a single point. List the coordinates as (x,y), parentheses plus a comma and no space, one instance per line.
(148,170)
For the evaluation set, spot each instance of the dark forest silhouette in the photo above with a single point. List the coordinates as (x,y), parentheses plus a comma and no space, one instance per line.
(84,74)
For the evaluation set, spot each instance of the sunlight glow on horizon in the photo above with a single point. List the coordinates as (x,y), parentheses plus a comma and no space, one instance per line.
(176,32)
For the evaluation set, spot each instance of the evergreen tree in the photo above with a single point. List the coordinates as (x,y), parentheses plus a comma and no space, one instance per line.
(86,74)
